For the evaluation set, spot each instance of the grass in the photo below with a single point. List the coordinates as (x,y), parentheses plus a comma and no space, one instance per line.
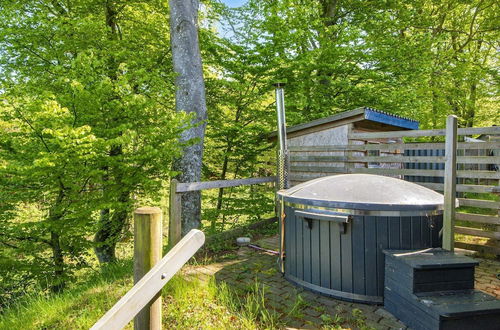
(77,308)
(187,303)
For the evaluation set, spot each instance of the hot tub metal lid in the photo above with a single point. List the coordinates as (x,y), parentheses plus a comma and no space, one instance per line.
(364,192)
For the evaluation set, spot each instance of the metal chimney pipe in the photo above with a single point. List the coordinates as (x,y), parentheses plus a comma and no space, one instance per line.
(282,166)
(283,150)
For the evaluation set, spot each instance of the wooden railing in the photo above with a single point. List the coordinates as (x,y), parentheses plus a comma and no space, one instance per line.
(178,188)
(458,174)
(150,273)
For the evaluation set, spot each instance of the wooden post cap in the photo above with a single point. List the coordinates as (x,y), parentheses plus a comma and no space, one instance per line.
(147,210)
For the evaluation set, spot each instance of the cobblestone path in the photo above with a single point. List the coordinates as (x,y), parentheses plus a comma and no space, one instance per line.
(302,309)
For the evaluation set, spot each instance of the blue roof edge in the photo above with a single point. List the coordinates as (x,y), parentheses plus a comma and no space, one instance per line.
(390,119)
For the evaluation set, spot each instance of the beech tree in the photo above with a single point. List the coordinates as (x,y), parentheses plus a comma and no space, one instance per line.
(189,98)
(86,129)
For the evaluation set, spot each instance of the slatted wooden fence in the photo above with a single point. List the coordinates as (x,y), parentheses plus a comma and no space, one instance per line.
(475,185)
(178,188)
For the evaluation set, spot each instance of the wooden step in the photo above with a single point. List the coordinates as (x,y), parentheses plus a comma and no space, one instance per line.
(429,271)
(434,289)
(464,309)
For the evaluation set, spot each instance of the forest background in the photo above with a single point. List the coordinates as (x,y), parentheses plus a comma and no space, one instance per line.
(89,131)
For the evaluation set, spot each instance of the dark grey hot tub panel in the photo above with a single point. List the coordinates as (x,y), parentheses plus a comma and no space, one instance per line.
(350,264)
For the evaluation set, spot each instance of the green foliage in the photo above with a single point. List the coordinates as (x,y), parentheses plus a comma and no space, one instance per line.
(86,127)
(419,58)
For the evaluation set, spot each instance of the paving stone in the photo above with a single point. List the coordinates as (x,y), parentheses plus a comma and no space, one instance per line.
(390,323)
(385,314)
(250,265)
(311,311)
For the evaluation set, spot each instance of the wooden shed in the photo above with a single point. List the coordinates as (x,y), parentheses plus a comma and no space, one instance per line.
(309,143)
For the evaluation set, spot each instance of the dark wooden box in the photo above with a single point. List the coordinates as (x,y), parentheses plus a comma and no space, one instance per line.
(434,290)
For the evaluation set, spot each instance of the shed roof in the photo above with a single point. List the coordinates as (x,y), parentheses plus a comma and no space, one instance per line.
(369,114)
(365,114)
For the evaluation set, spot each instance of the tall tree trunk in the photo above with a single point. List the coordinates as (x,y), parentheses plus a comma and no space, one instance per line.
(55,216)
(112,222)
(59,282)
(189,97)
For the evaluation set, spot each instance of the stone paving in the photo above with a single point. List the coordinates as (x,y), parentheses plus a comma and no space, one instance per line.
(306,310)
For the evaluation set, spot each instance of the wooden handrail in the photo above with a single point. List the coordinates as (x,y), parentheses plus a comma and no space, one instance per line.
(151,284)
(195,186)
(178,188)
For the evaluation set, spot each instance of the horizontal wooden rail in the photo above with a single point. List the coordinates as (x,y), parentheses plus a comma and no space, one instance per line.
(151,284)
(479,218)
(394,146)
(318,169)
(477,247)
(396,159)
(476,232)
(462,187)
(493,175)
(485,204)
(422,133)
(195,186)
(426,173)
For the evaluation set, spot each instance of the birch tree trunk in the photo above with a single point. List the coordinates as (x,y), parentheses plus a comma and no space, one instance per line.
(189,97)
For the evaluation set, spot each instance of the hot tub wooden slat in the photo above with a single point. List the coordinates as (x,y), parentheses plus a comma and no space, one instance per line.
(324,232)
(358,252)
(336,275)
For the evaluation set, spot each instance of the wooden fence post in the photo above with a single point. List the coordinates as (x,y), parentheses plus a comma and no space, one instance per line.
(450,181)
(147,252)
(174,219)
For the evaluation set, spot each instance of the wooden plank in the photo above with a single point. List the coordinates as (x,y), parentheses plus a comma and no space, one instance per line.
(335,261)
(195,186)
(318,169)
(371,249)
(147,252)
(358,255)
(450,181)
(328,159)
(299,238)
(151,284)
(174,214)
(382,243)
(396,134)
(346,259)
(396,159)
(290,238)
(421,133)
(479,203)
(315,256)
(419,172)
(461,187)
(425,233)
(306,232)
(478,159)
(476,232)
(303,178)
(480,248)
(436,230)
(395,146)
(324,238)
(416,233)
(479,218)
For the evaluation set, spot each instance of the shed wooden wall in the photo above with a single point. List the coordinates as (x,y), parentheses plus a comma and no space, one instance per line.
(300,170)
(304,165)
